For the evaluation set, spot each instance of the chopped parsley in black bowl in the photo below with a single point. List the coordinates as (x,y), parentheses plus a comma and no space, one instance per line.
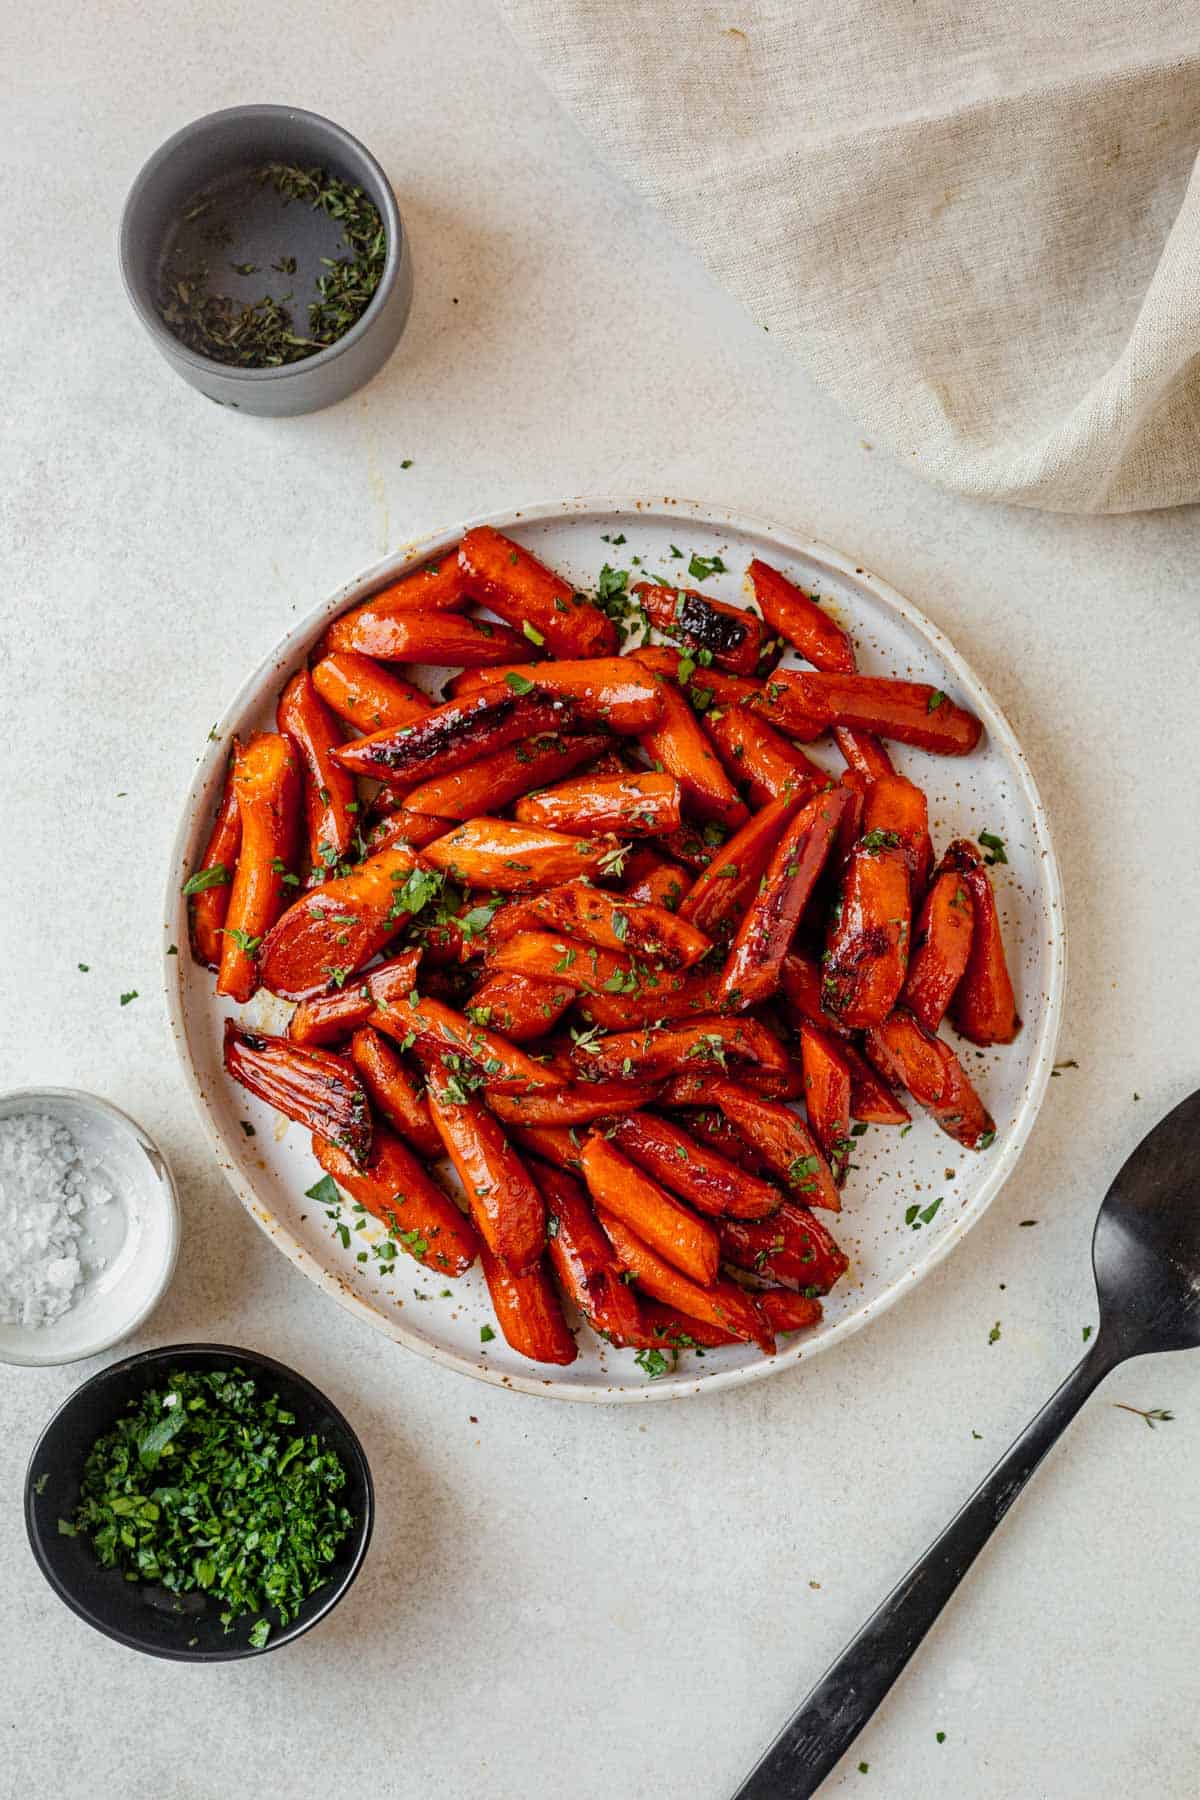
(199,1502)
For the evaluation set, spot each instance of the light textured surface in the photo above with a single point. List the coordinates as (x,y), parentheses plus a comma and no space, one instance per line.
(977,228)
(615,1605)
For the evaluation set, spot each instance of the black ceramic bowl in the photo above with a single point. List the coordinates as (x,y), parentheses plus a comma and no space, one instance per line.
(145,1617)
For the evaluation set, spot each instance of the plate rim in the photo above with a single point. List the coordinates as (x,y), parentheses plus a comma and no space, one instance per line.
(412,553)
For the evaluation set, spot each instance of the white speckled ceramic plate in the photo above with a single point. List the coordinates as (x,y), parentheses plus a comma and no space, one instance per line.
(992,790)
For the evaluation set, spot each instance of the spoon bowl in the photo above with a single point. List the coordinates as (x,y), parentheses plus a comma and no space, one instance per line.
(1146,1247)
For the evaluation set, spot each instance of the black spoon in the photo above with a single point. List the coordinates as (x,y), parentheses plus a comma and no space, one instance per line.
(1146,1257)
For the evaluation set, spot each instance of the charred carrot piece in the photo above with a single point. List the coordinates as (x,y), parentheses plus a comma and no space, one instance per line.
(704,1042)
(395,1188)
(785,1144)
(759,758)
(723,1304)
(699,1174)
(619,924)
(785,1311)
(328,1018)
(450,736)
(267,782)
(793,1248)
(984,1007)
(752,970)
(613,691)
(682,996)
(519,1009)
(393,1091)
(641,805)
(866,958)
(412,829)
(365,694)
(510,858)
(462,1052)
(893,804)
(559,1145)
(679,747)
(933,1075)
(827,1096)
(490,783)
(653,880)
(549,956)
(576,1104)
(731,636)
(440,638)
(208,901)
(318,1090)
(941,948)
(330,796)
(725,888)
(502,1199)
(528,1310)
(711,691)
(706,1123)
(693,846)
(667,1329)
(438,587)
(502,575)
(671,1230)
(872,1101)
(334,930)
(800,978)
(912,712)
(584,1261)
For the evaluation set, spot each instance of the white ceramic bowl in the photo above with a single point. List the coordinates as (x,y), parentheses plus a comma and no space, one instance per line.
(990,790)
(129,1245)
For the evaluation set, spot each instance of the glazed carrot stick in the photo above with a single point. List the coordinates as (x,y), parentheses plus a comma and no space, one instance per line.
(911,711)
(827,1096)
(695,1171)
(723,1304)
(800,978)
(752,969)
(731,636)
(619,924)
(519,1009)
(667,1329)
(613,691)
(587,1267)
(490,783)
(703,1042)
(678,747)
(510,858)
(758,757)
(515,585)
(635,805)
(872,1101)
(866,958)
(894,804)
(784,1143)
(504,1203)
(785,1311)
(330,796)
(438,587)
(320,1091)
(413,829)
(334,930)
(933,1075)
(441,638)
(327,1018)
(395,1188)
(653,880)
(459,732)
(560,1145)
(984,1007)
(793,1248)
(208,900)
(676,996)
(695,846)
(941,948)
(671,1230)
(704,1122)
(579,1104)
(709,690)
(725,888)
(528,1310)
(365,694)
(461,1052)
(551,956)
(393,1091)
(268,789)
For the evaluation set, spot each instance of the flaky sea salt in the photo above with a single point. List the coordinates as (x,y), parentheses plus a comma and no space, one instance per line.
(46,1183)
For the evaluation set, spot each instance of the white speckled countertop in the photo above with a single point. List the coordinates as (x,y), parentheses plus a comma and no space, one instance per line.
(614,1604)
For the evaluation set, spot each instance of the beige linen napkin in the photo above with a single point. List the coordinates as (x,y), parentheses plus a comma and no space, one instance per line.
(978,225)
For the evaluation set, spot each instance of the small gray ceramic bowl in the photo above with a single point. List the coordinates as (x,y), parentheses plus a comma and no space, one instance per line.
(217,149)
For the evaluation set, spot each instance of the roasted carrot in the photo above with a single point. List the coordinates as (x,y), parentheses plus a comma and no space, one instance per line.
(681,1096)
(318,1090)
(490,783)
(678,747)
(827,1096)
(613,691)
(872,1101)
(267,782)
(551,956)
(366,695)
(450,736)
(403,827)
(752,969)
(933,1075)
(461,1052)
(723,1304)
(560,1145)
(328,1018)
(800,979)
(208,902)
(578,1103)
(711,691)
(793,1248)
(509,858)
(941,948)
(616,923)
(441,638)
(896,805)
(695,846)
(334,930)
(667,1329)
(682,996)
(515,585)
(505,1205)
(785,1311)
(635,805)
(395,1188)
(438,587)
(330,796)
(652,879)
(586,1264)
(695,1171)
(913,712)
(528,1310)
(519,1009)
(393,1091)
(866,957)
(784,1143)
(725,888)
(984,1007)
(671,1230)
(791,612)
(731,636)
(759,758)
(703,1042)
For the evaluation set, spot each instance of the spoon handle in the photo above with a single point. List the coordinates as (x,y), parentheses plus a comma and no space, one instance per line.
(836,1710)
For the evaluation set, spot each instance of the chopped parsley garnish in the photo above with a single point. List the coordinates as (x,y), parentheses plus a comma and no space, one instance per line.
(216,875)
(936,699)
(701,567)
(519,684)
(486,1334)
(131,995)
(994,846)
(325,1192)
(654,1363)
